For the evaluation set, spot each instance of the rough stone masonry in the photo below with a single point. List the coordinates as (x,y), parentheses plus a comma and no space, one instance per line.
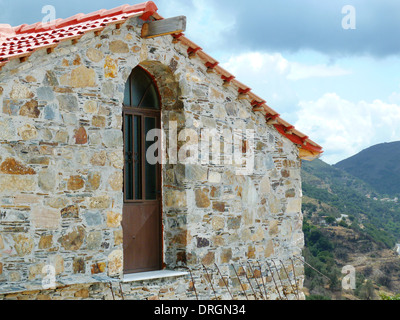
(61,178)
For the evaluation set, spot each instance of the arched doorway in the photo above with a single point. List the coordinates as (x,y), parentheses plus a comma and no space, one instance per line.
(141,223)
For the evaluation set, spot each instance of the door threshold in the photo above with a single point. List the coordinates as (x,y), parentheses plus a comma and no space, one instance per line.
(153,275)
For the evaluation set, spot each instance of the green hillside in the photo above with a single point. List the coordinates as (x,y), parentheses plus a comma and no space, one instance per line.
(343,194)
(364,237)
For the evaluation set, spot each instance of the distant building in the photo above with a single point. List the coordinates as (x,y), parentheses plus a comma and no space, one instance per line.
(342,217)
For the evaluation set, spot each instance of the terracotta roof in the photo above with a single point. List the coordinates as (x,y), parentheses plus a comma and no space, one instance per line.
(22,41)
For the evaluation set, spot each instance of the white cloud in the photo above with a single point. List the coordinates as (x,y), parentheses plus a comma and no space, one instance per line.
(268,63)
(344,128)
(301,71)
(271,76)
(266,74)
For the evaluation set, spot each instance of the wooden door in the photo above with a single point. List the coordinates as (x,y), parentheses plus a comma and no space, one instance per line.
(141,220)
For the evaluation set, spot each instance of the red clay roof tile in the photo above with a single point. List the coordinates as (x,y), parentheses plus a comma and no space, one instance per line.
(24,39)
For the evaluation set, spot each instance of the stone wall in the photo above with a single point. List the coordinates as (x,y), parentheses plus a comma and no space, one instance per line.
(61,176)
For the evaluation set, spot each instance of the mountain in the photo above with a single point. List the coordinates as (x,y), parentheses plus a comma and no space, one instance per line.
(379,166)
(347,222)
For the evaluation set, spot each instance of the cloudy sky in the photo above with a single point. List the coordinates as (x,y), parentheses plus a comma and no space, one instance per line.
(331,68)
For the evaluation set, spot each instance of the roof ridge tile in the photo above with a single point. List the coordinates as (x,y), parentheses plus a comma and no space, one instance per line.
(148,9)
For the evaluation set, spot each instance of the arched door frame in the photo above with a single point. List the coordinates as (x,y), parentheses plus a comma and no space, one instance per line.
(142,212)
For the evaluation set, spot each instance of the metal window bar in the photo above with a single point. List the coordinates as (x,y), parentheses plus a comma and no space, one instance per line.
(287,275)
(248,280)
(280,280)
(226,285)
(209,279)
(262,278)
(240,282)
(255,278)
(294,275)
(273,279)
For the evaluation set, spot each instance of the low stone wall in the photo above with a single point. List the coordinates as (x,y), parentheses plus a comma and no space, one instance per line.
(240,283)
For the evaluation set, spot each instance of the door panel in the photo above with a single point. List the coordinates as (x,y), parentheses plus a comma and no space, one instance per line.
(142,196)
(141,227)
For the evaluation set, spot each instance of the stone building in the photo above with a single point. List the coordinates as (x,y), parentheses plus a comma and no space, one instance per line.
(84,211)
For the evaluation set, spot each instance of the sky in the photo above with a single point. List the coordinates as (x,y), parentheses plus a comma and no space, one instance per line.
(330,68)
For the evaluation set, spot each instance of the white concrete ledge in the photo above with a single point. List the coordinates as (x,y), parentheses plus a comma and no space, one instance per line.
(153,275)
